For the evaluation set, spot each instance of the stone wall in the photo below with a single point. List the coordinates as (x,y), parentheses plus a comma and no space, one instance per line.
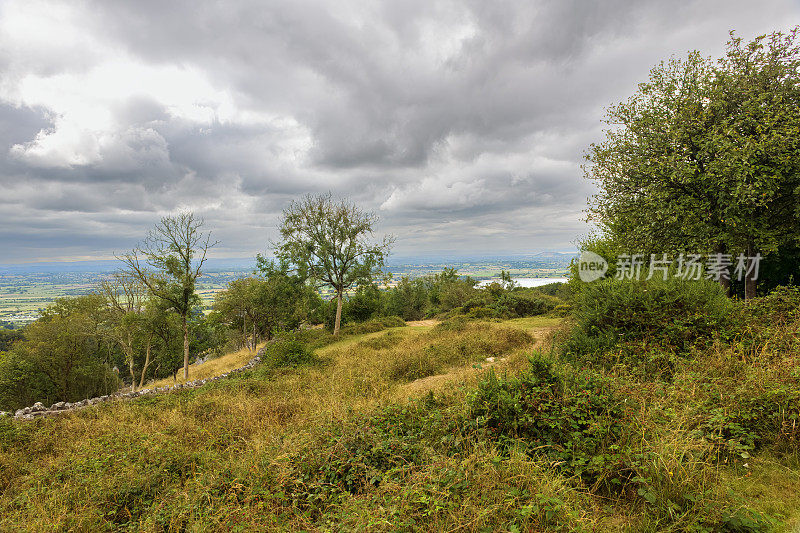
(38,410)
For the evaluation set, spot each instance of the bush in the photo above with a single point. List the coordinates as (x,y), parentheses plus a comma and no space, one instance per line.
(349,458)
(375,325)
(522,303)
(578,425)
(288,351)
(634,322)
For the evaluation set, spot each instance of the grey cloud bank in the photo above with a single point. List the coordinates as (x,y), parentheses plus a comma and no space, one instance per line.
(461,123)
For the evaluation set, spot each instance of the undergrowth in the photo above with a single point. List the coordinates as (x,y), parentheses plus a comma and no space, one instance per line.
(597,434)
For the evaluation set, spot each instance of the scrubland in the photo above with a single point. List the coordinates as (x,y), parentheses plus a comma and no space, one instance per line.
(649,407)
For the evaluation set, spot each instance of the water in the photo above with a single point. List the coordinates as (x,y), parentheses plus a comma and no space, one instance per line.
(526,282)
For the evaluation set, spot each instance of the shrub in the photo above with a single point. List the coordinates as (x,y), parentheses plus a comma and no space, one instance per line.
(749,419)
(522,303)
(348,457)
(650,320)
(578,425)
(288,351)
(374,325)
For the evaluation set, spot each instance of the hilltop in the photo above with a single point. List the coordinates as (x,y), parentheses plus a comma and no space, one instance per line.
(610,419)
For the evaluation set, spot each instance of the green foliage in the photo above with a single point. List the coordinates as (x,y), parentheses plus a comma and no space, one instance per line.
(522,303)
(704,157)
(556,447)
(646,323)
(329,242)
(374,325)
(168,263)
(408,299)
(8,337)
(350,458)
(579,424)
(270,302)
(288,351)
(63,357)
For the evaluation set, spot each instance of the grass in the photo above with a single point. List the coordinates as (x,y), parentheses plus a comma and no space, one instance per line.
(381,433)
(210,368)
(156,463)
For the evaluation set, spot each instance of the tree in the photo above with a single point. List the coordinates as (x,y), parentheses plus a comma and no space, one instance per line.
(270,300)
(704,157)
(328,241)
(126,296)
(168,262)
(62,357)
(284,299)
(237,304)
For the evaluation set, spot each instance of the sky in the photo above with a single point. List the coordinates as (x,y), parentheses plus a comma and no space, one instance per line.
(461,124)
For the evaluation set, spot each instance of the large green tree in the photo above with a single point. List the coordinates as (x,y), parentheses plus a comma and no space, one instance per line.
(63,357)
(705,156)
(330,241)
(273,299)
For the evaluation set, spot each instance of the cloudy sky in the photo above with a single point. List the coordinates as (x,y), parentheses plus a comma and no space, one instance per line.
(461,123)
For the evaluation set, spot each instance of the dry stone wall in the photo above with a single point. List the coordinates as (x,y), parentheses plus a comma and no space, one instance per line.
(38,410)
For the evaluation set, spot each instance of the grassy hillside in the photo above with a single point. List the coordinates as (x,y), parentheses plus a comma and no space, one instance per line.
(412,428)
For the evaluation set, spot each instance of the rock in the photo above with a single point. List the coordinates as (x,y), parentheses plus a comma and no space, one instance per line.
(3,414)
(38,406)
(57,406)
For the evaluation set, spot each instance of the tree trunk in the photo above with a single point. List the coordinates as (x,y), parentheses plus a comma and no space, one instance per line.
(133,374)
(185,348)
(338,313)
(146,363)
(750,276)
(254,335)
(129,354)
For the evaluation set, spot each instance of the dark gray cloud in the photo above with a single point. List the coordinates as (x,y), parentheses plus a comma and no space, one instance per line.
(462,123)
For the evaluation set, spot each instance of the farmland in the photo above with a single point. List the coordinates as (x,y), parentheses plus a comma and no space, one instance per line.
(25,290)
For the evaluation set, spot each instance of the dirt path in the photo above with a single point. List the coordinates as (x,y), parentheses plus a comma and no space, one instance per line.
(417,323)
(422,385)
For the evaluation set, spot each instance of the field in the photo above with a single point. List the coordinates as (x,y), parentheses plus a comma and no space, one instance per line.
(418,428)
(26,291)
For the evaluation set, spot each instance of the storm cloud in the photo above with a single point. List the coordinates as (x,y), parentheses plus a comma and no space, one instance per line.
(462,124)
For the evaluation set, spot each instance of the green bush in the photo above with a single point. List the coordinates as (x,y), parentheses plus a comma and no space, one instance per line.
(288,351)
(783,303)
(743,419)
(350,457)
(578,425)
(522,303)
(647,320)
(374,325)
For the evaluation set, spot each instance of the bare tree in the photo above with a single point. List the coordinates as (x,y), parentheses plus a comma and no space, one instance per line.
(329,242)
(168,262)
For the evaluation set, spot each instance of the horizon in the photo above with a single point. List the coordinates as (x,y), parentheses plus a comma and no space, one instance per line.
(220,262)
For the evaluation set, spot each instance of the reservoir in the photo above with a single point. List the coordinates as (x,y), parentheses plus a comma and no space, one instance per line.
(525,282)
